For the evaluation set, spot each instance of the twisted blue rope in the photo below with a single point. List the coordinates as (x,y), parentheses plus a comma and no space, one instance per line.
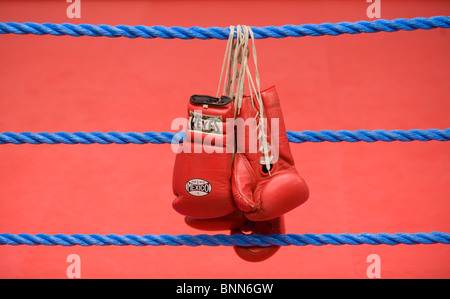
(369,136)
(169,137)
(226,240)
(197,32)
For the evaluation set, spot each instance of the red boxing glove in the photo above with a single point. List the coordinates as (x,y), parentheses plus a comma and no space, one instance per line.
(262,194)
(238,224)
(259,253)
(203,164)
(265,182)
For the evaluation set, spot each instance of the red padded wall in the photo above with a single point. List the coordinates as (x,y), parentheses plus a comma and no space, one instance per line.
(364,81)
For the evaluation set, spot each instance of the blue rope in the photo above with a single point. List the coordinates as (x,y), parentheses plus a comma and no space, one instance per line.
(169,137)
(226,240)
(197,32)
(369,136)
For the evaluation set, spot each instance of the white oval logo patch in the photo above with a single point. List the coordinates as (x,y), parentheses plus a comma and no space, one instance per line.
(198,187)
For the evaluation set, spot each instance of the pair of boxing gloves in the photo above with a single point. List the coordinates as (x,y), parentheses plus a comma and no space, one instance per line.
(224,179)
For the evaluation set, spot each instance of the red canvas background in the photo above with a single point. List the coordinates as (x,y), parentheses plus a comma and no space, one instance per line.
(365,81)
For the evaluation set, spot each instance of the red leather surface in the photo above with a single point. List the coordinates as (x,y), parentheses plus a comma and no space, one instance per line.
(204,159)
(267,196)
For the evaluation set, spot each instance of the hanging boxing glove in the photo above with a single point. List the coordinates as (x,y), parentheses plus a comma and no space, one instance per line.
(259,253)
(265,181)
(202,171)
(237,223)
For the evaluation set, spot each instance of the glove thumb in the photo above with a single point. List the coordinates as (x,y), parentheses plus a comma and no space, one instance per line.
(242,184)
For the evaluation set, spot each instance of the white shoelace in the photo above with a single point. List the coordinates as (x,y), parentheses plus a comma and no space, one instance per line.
(235,65)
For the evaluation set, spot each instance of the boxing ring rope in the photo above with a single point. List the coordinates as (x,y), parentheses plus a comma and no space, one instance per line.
(226,240)
(196,32)
(170,137)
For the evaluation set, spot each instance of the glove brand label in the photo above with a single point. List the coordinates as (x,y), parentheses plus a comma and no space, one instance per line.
(203,123)
(203,133)
(198,187)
